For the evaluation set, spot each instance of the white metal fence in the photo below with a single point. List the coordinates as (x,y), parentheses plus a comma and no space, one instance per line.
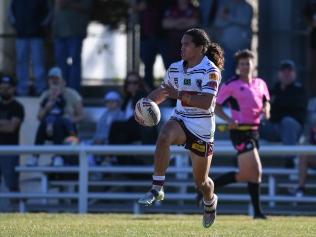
(83,150)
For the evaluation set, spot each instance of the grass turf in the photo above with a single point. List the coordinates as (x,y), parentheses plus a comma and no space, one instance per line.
(69,225)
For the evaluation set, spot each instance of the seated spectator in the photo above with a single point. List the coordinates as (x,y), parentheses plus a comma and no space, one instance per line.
(111,113)
(177,19)
(288,109)
(129,131)
(11,118)
(306,162)
(60,110)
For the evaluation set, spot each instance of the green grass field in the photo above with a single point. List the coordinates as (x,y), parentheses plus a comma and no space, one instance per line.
(67,225)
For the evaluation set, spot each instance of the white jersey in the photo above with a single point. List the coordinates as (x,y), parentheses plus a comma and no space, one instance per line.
(203,78)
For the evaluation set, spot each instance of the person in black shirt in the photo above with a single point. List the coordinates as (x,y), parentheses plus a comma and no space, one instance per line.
(288,109)
(11,118)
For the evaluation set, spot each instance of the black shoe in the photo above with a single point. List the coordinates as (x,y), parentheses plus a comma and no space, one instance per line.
(260,216)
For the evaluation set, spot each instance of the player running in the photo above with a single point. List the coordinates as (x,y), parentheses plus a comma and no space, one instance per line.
(248,98)
(193,82)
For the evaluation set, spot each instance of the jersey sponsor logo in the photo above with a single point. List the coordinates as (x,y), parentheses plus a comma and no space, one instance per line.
(213,76)
(198,147)
(187,82)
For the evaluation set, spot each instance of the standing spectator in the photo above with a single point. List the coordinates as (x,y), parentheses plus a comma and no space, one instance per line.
(288,109)
(152,36)
(208,10)
(30,18)
(177,19)
(60,111)
(11,118)
(233,30)
(71,18)
(310,16)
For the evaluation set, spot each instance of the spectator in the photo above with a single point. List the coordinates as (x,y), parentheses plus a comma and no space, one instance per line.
(11,118)
(310,16)
(288,109)
(233,30)
(60,110)
(71,18)
(30,18)
(208,10)
(306,162)
(177,19)
(152,37)
(129,131)
(111,113)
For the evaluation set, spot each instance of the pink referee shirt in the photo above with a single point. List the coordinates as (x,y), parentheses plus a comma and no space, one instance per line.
(245,99)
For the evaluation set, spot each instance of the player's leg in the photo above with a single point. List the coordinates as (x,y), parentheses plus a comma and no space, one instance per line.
(250,170)
(244,142)
(171,133)
(201,166)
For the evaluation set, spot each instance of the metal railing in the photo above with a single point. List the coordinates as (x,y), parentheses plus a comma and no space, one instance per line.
(83,150)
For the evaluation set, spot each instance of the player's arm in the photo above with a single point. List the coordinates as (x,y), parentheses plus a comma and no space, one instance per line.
(158,95)
(220,113)
(202,101)
(266,110)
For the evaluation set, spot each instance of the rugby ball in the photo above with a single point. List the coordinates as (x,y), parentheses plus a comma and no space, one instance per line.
(148,112)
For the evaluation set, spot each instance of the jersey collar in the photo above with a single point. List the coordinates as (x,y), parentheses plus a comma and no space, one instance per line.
(198,66)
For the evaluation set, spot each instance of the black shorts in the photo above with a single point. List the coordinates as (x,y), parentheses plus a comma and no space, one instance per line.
(244,141)
(195,144)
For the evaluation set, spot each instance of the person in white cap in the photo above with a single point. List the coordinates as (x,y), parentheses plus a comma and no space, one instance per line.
(111,113)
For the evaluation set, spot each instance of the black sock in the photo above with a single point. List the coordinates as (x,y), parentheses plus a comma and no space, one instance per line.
(225,179)
(254,191)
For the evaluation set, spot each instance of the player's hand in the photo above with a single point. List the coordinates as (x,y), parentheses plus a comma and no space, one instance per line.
(170,91)
(266,114)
